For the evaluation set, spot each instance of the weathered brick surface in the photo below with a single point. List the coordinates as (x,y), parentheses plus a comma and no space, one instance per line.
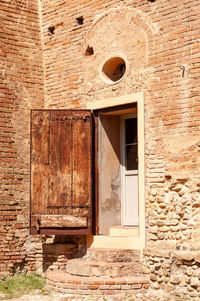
(21,87)
(160,42)
(107,263)
(61,282)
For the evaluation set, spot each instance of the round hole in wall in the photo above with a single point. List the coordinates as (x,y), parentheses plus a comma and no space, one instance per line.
(113,70)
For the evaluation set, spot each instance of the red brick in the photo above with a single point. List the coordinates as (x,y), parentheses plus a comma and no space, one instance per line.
(109,292)
(110,282)
(104,287)
(53,72)
(92,287)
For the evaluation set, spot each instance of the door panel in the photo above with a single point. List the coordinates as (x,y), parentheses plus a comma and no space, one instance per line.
(60,156)
(129,174)
(131,200)
(61,171)
(82,164)
(40,161)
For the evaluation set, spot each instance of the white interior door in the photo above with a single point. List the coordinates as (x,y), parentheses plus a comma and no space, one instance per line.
(129,173)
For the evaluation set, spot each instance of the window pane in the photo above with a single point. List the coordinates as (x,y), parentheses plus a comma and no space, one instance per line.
(131,157)
(131,130)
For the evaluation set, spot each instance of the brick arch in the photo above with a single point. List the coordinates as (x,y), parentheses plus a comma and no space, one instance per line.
(125,33)
(136,16)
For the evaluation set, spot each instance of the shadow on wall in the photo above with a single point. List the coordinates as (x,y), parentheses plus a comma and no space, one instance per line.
(109,173)
(63,248)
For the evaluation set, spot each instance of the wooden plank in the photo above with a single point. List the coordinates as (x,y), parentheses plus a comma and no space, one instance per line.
(40,133)
(64,231)
(60,161)
(35,221)
(81,151)
(61,221)
(39,161)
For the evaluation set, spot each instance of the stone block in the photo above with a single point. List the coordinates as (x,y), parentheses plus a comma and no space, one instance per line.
(184,255)
(197,257)
(169,287)
(156,286)
(153,277)
(195,282)
(189,271)
(175,280)
(165,272)
(190,288)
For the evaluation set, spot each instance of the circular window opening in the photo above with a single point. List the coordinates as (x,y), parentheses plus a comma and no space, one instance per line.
(113,70)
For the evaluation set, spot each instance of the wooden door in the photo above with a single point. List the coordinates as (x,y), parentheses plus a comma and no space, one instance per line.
(61,172)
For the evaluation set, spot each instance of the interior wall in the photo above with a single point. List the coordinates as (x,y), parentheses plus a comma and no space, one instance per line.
(109,173)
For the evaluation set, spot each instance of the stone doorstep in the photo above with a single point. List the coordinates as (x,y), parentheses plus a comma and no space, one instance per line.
(110,250)
(94,268)
(65,278)
(108,283)
(124,231)
(112,255)
(116,242)
(114,251)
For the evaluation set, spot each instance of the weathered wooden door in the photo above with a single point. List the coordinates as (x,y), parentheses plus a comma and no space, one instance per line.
(61,172)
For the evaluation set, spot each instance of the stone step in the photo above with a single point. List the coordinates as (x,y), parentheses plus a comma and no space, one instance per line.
(67,284)
(112,255)
(116,242)
(124,231)
(81,267)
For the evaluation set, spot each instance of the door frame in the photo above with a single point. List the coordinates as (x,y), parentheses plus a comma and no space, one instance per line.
(136,98)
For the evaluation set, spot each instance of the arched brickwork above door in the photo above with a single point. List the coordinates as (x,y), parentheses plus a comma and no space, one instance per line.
(119,33)
(129,14)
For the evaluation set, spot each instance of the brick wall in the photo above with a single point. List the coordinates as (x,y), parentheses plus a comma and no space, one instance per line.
(21,88)
(160,41)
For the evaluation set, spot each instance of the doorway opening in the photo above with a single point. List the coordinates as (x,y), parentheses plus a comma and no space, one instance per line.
(118,171)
